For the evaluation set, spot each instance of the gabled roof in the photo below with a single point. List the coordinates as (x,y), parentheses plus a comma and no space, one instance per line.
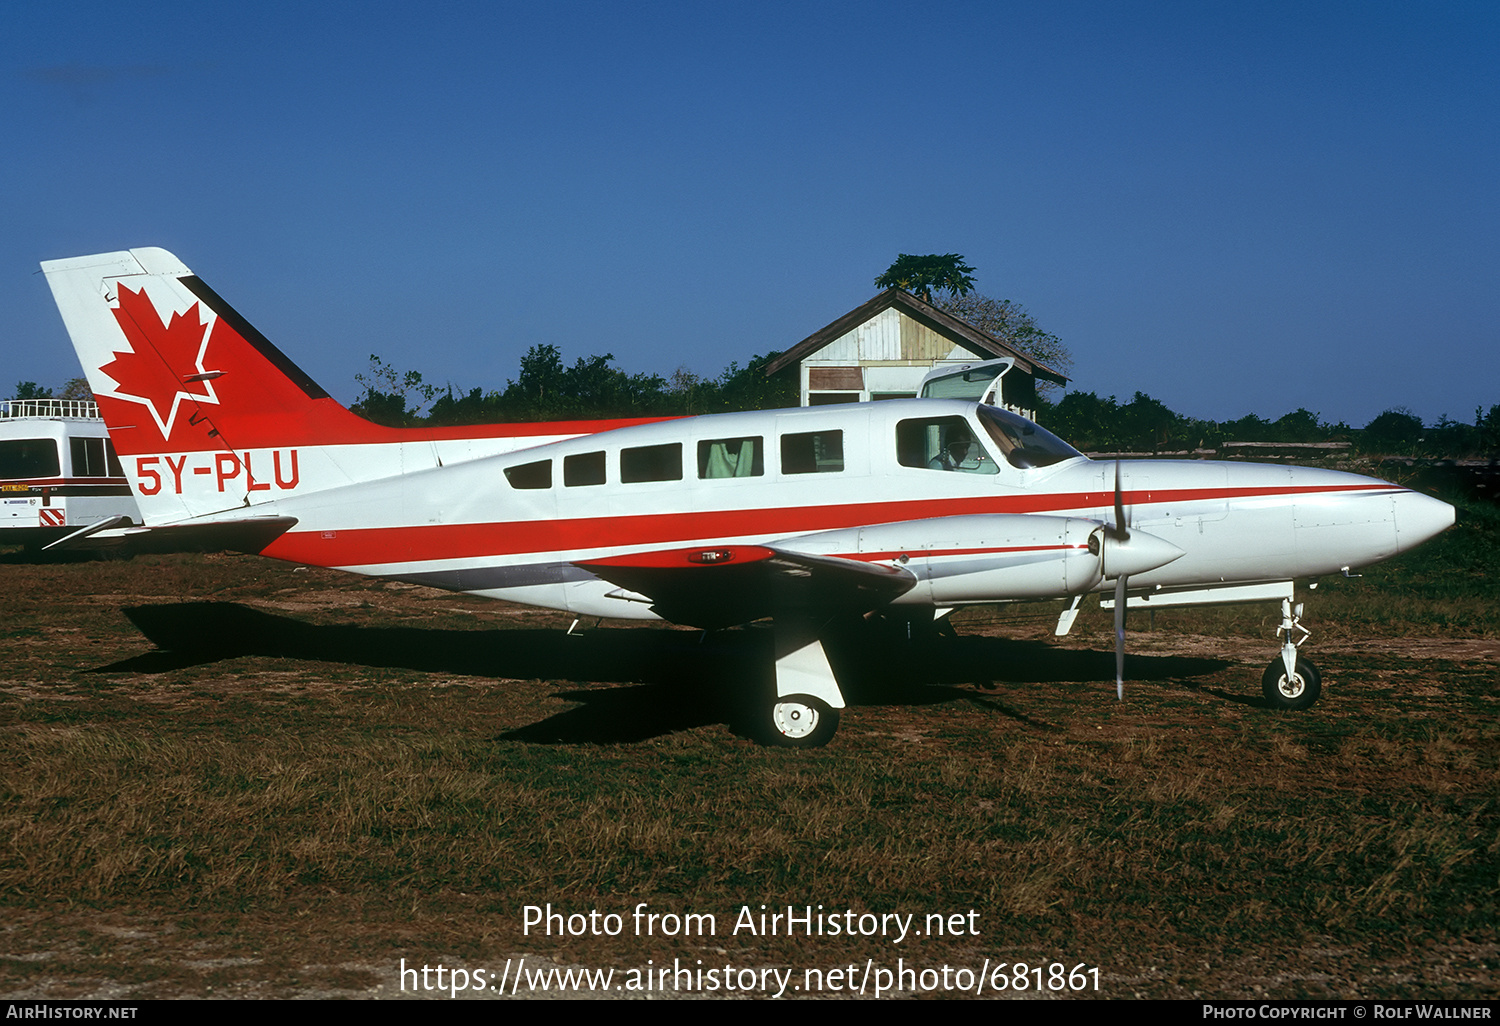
(960,331)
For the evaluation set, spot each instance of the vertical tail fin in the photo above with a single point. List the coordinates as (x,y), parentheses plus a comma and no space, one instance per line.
(176,369)
(199,404)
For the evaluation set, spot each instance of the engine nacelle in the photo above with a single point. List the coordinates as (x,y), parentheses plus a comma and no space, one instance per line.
(968,559)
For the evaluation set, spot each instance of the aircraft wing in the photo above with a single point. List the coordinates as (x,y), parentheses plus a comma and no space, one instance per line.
(722,586)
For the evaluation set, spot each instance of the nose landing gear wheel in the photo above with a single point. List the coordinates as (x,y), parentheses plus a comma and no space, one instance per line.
(802,721)
(1298,691)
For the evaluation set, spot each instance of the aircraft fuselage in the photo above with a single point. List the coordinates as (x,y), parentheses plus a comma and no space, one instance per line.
(517,526)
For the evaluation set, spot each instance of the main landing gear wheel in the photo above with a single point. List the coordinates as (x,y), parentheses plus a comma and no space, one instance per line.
(1298,691)
(802,721)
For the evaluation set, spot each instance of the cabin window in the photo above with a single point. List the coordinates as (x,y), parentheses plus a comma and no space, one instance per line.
(942,443)
(731,457)
(530,475)
(112,460)
(28,457)
(812,452)
(651,463)
(585,468)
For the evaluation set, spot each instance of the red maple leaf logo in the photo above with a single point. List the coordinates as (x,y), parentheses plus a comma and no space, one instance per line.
(162,357)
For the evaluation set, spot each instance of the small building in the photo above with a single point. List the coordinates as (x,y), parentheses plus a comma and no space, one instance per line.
(883,349)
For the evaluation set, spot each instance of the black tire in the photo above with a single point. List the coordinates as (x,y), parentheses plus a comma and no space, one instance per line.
(801,721)
(1300,692)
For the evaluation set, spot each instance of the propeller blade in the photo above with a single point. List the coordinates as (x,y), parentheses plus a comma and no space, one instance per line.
(1120,638)
(1122,534)
(1122,528)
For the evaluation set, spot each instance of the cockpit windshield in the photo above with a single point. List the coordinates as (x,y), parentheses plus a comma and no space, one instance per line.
(1024,444)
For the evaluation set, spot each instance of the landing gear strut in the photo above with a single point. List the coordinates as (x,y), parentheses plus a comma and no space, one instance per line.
(805,710)
(1291,682)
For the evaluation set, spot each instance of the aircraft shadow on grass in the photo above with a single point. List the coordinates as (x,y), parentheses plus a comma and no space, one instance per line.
(669,680)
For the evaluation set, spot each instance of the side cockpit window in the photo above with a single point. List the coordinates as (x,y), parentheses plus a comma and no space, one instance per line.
(942,443)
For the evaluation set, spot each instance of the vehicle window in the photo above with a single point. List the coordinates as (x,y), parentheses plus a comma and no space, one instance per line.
(88,457)
(530,475)
(942,443)
(585,468)
(1024,443)
(812,452)
(651,463)
(112,460)
(731,457)
(29,457)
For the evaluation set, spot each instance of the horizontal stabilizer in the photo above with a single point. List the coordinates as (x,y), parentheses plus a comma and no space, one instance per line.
(75,539)
(249,534)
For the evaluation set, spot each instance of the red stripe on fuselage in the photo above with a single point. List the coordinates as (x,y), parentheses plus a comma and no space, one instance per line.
(411,544)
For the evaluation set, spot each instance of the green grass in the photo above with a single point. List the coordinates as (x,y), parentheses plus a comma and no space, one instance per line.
(385,774)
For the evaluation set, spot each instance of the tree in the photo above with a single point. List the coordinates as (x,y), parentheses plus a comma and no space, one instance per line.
(1010,323)
(73,388)
(1487,426)
(540,384)
(920,275)
(1087,421)
(1104,425)
(548,390)
(1301,425)
(1149,426)
(592,388)
(1395,430)
(748,387)
(687,391)
(475,406)
(387,392)
(76,388)
(31,390)
(1252,427)
(1006,320)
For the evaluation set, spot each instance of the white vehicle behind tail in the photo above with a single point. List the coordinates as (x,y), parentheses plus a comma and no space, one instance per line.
(58,472)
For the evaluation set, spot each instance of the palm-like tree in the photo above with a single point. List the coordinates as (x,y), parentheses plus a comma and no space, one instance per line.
(921,275)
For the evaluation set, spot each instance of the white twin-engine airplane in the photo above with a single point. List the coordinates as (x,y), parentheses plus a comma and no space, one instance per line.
(809,517)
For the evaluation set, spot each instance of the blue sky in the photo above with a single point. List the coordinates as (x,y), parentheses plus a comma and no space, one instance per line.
(1233,207)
